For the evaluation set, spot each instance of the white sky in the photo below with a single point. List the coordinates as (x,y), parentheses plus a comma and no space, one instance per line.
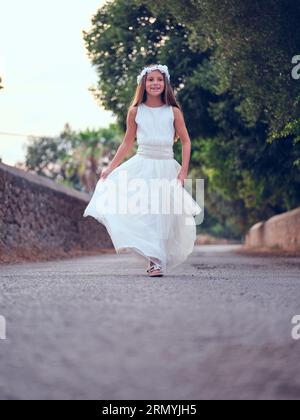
(45,70)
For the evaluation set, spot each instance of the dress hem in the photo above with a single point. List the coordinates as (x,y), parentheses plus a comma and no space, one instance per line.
(119,249)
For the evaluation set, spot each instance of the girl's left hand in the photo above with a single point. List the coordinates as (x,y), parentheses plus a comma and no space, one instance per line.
(182,175)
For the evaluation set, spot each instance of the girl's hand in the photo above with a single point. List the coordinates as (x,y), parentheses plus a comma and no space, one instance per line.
(182,175)
(104,173)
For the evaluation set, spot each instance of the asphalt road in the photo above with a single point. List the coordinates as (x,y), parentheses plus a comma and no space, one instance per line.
(217,327)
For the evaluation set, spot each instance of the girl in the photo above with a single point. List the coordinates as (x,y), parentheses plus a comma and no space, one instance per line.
(155,119)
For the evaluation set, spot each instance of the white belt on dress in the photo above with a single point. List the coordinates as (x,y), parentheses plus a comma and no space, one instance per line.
(155,151)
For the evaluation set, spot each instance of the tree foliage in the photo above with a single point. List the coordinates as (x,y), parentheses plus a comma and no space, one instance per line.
(73,158)
(125,37)
(230,63)
(252,46)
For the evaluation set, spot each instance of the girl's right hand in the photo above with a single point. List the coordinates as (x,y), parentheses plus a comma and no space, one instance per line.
(104,173)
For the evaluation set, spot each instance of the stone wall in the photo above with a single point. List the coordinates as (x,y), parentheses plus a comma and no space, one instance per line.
(281,231)
(40,219)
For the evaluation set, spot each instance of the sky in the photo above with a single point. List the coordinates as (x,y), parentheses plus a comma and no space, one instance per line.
(45,72)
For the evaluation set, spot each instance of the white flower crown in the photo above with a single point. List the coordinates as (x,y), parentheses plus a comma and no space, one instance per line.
(163,69)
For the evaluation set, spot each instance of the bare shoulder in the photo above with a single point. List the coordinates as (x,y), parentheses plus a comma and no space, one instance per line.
(132,110)
(131,114)
(177,113)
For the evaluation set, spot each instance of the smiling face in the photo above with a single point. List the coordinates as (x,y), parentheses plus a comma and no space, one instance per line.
(155,83)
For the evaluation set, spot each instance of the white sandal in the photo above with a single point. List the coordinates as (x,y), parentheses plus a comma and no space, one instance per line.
(155,267)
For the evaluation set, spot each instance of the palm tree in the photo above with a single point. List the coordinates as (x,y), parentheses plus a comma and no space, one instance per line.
(74,158)
(95,148)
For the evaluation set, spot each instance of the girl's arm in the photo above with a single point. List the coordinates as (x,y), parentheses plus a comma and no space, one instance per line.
(185,140)
(128,141)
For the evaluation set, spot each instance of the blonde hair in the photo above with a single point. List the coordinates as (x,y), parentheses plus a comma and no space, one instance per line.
(168,96)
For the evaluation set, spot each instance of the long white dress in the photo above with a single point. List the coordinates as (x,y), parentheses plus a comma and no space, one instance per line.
(164,234)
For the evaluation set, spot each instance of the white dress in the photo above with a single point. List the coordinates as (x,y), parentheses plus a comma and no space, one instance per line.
(159,234)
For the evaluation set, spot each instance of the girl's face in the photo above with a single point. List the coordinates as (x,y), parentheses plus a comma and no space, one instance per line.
(155,83)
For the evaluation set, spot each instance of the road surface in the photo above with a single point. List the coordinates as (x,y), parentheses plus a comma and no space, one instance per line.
(217,327)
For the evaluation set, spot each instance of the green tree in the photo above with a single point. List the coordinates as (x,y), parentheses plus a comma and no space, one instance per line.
(252,45)
(73,159)
(230,64)
(123,39)
(248,68)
